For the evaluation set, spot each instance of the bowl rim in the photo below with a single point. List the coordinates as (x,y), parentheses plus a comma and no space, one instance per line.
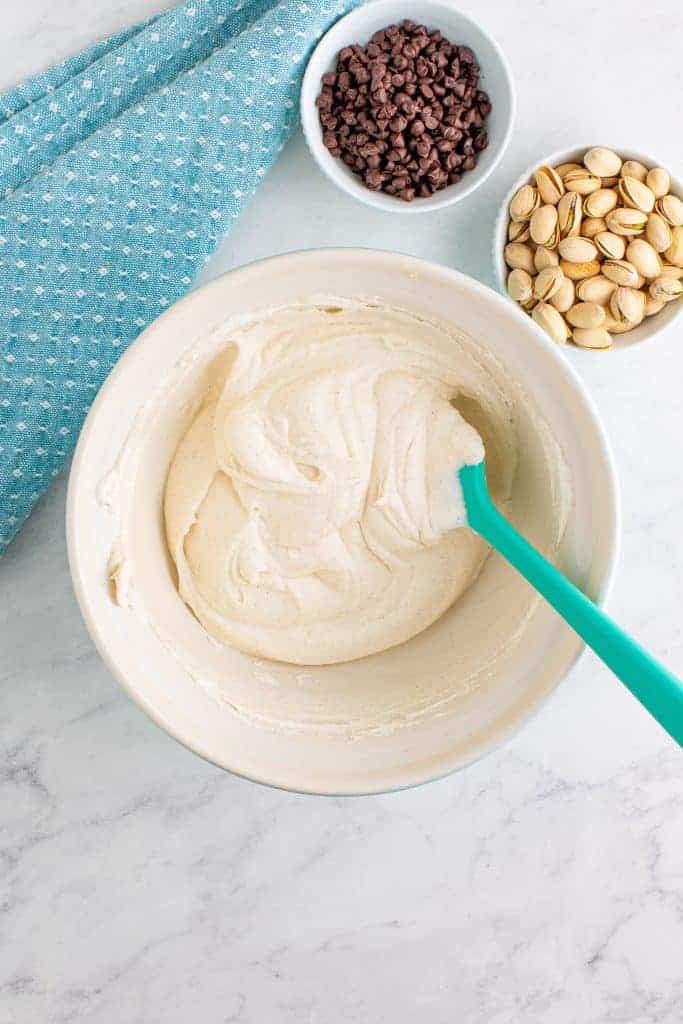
(311,128)
(98,635)
(623,342)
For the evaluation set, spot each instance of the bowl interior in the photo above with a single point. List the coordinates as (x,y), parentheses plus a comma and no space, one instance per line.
(650,326)
(455,695)
(358,27)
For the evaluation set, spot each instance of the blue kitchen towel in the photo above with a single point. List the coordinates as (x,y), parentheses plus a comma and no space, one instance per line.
(120,170)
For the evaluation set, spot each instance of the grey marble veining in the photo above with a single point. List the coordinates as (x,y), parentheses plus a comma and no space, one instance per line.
(543,885)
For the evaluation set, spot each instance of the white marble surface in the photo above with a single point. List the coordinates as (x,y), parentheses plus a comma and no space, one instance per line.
(545,885)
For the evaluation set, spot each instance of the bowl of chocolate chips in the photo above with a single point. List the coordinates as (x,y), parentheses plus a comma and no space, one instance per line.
(407,107)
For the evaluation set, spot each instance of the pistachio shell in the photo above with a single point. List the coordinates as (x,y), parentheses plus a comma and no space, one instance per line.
(592,226)
(543,227)
(595,289)
(658,181)
(658,233)
(671,209)
(520,285)
(518,231)
(636,195)
(627,305)
(600,203)
(614,327)
(578,271)
(610,182)
(602,162)
(563,299)
(624,221)
(621,272)
(611,246)
(582,181)
(548,283)
(519,257)
(596,337)
(674,254)
(653,306)
(669,271)
(563,169)
(544,257)
(552,322)
(569,212)
(634,169)
(577,250)
(524,202)
(666,288)
(549,184)
(644,258)
(586,315)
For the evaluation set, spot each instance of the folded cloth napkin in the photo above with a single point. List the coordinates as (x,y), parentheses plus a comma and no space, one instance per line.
(120,170)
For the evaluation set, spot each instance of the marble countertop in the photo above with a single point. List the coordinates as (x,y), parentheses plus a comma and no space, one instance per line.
(545,884)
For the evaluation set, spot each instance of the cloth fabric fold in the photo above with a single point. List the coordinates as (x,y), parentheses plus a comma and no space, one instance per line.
(120,170)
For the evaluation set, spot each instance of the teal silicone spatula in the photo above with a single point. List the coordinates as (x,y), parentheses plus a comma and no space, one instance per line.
(654,686)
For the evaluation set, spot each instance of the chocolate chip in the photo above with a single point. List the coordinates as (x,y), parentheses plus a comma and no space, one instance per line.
(405,112)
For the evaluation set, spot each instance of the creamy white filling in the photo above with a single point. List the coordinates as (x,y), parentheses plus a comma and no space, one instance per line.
(312,508)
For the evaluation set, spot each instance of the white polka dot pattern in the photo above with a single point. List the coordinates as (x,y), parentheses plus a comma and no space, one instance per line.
(120,169)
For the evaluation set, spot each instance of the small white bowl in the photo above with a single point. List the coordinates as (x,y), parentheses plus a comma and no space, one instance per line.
(651,325)
(195,688)
(358,27)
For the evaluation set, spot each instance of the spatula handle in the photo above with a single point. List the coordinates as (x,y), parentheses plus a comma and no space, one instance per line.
(657,689)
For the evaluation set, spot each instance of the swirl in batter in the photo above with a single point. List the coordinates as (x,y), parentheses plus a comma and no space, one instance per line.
(312,508)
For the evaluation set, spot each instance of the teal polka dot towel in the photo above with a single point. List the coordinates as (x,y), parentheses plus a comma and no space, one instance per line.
(120,170)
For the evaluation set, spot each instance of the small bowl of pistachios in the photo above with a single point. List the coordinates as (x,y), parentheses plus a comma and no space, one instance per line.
(589,243)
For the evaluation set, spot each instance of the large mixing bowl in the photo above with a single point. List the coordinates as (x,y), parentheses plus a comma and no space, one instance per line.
(394,719)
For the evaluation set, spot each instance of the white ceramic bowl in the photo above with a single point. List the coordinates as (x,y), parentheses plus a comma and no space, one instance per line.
(358,27)
(651,325)
(424,673)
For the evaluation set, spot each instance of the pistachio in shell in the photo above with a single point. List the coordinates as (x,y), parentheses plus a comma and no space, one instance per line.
(544,257)
(543,226)
(658,181)
(634,169)
(658,232)
(582,181)
(565,296)
(636,195)
(644,258)
(604,163)
(519,257)
(524,202)
(612,247)
(600,203)
(671,209)
(549,185)
(592,226)
(569,213)
(595,289)
(624,221)
(621,272)
(586,315)
(552,322)
(592,337)
(674,254)
(548,283)
(666,288)
(627,305)
(577,249)
(520,285)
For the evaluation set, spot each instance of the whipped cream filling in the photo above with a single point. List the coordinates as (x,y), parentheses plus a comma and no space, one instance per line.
(312,508)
